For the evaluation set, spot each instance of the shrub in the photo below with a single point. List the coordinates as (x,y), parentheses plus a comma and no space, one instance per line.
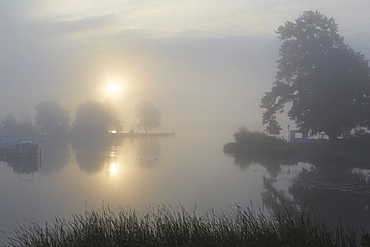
(254,138)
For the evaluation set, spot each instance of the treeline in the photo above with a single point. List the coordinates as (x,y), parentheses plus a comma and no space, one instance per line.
(92,118)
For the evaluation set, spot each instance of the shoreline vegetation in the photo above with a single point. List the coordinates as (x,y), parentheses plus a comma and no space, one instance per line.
(167,226)
(261,146)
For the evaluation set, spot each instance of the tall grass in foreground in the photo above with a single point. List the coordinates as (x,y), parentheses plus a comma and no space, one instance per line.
(167,227)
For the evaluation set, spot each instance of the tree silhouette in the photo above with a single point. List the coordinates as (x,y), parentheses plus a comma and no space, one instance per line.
(273,127)
(51,118)
(115,122)
(93,118)
(327,83)
(148,115)
(9,123)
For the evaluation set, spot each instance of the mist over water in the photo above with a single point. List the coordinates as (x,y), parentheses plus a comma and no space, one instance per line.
(135,172)
(143,173)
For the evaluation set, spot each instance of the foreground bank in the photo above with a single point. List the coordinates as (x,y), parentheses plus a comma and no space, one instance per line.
(176,227)
(343,152)
(258,145)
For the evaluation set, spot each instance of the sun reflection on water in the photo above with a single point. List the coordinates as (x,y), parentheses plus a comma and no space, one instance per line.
(112,168)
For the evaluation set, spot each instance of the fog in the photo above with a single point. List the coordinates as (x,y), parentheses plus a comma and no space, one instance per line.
(200,67)
(204,64)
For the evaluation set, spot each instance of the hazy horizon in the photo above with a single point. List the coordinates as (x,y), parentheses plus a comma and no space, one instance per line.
(202,63)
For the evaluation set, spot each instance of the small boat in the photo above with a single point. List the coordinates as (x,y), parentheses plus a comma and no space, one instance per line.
(13,146)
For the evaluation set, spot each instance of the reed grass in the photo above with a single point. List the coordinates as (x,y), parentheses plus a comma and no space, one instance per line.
(166,226)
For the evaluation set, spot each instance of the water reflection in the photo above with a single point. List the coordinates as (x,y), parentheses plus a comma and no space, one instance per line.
(112,160)
(273,167)
(24,166)
(92,155)
(361,173)
(148,150)
(20,155)
(54,155)
(336,191)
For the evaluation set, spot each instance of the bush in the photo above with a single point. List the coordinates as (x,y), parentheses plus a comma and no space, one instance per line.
(255,138)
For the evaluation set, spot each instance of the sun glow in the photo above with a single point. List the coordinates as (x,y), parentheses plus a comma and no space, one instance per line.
(113,168)
(113,87)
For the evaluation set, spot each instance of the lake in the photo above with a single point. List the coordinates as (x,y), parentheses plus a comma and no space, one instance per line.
(143,173)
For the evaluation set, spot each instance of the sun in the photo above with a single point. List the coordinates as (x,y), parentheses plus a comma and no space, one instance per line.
(113,88)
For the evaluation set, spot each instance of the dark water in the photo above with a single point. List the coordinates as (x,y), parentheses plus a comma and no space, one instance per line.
(147,172)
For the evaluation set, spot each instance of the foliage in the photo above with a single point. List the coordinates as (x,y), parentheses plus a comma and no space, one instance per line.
(327,83)
(273,127)
(51,118)
(361,132)
(169,227)
(11,125)
(148,116)
(93,118)
(116,123)
(254,138)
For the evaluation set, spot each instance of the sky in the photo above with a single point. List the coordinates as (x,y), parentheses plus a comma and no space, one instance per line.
(205,64)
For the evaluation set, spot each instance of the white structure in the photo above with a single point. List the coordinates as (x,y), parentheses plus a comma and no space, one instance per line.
(297,136)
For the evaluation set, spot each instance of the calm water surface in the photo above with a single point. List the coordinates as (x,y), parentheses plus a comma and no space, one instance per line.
(147,172)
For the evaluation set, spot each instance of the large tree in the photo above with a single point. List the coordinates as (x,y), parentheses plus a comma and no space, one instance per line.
(51,118)
(326,82)
(273,127)
(148,115)
(116,124)
(93,118)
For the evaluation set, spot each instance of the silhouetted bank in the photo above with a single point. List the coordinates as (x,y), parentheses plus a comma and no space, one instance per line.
(352,150)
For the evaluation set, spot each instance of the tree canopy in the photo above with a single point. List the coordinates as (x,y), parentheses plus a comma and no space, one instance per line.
(148,116)
(116,124)
(93,118)
(51,118)
(326,82)
(273,127)
(9,124)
